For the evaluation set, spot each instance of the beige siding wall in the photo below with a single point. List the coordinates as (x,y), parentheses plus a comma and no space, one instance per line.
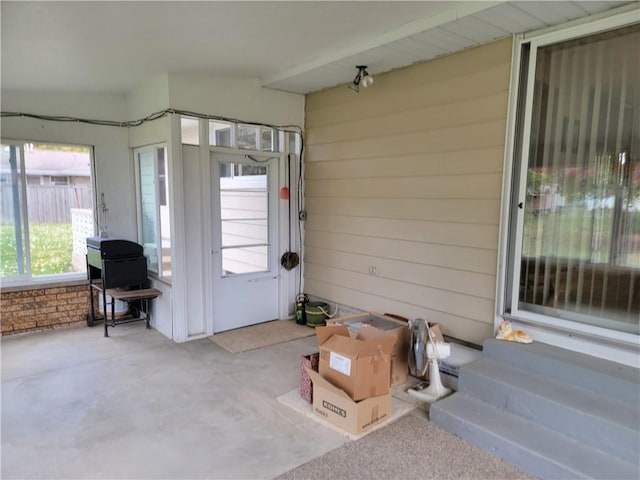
(405,177)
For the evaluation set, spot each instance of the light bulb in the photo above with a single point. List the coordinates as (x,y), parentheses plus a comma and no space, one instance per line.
(366,81)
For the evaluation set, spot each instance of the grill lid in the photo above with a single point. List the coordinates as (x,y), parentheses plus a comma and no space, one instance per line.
(114,248)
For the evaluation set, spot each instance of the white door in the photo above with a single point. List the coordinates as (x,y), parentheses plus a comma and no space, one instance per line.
(245,247)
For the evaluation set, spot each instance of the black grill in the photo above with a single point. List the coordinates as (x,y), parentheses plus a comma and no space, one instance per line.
(118,263)
(118,268)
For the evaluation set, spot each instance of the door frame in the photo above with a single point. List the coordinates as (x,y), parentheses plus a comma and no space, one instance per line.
(213,267)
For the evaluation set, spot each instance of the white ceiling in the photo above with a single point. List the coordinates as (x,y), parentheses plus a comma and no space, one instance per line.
(303,46)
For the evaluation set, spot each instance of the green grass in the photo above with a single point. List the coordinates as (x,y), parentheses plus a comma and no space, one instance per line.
(565,235)
(578,234)
(51,249)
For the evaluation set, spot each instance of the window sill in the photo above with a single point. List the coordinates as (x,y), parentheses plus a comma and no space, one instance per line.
(20,285)
(164,280)
(568,328)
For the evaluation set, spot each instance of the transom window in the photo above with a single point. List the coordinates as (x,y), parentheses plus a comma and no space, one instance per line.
(245,137)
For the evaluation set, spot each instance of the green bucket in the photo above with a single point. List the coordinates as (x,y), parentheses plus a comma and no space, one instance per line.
(316,313)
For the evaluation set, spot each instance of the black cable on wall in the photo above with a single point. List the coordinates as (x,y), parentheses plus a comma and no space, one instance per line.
(148,118)
(163,113)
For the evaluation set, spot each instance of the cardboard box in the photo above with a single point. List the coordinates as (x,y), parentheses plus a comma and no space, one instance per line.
(360,366)
(306,386)
(335,406)
(400,352)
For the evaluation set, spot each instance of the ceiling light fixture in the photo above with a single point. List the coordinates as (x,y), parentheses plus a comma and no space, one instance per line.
(362,78)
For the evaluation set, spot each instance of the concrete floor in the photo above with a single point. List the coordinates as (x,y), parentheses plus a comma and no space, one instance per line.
(136,405)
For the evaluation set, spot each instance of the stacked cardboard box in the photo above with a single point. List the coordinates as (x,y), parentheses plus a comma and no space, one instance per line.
(352,387)
(400,353)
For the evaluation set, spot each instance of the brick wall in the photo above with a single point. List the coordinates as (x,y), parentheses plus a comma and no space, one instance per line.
(37,309)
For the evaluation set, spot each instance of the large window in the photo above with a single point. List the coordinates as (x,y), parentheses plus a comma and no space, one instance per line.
(153,208)
(576,248)
(46,210)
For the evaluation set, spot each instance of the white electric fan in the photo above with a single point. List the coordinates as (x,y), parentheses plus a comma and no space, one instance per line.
(427,352)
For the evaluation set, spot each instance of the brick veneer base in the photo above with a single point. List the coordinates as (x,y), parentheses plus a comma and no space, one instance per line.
(38,309)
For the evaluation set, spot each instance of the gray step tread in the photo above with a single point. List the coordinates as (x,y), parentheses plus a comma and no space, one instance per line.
(586,416)
(577,368)
(529,446)
(590,402)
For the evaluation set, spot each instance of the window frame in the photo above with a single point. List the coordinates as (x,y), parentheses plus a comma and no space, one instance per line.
(212,131)
(159,274)
(27,279)
(277,137)
(519,120)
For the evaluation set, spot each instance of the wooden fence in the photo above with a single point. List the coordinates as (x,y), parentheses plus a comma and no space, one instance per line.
(46,204)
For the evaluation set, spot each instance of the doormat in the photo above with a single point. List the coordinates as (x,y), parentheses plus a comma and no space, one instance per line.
(261,335)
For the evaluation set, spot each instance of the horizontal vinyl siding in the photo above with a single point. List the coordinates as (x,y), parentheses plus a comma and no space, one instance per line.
(440,278)
(414,119)
(443,186)
(406,177)
(448,139)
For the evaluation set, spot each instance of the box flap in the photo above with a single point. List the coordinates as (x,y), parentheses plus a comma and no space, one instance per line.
(381,322)
(324,333)
(318,380)
(375,320)
(376,345)
(437,334)
(346,346)
(371,331)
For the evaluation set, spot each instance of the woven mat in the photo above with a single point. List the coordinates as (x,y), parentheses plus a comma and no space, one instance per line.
(261,335)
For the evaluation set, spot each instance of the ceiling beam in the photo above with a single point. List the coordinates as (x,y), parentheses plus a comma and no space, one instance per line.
(408,29)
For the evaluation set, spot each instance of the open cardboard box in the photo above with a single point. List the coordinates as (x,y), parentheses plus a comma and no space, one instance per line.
(358,365)
(400,352)
(337,407)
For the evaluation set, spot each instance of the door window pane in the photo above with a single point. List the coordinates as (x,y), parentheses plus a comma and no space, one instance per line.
(244,214)
(240,260)
(581,230)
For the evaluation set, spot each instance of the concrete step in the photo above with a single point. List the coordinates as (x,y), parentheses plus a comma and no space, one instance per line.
(526,444)
(585,371)
(586,416)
